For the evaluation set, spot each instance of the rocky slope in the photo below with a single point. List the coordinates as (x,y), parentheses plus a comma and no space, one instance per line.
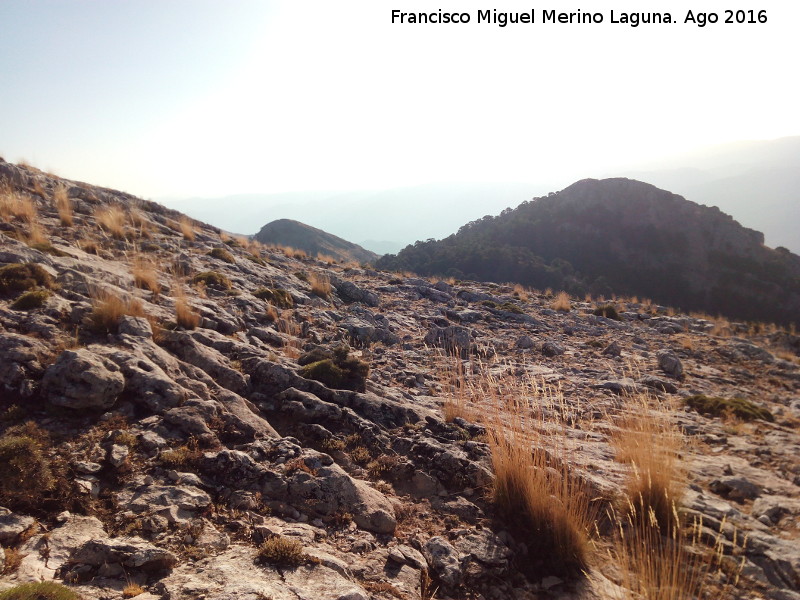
(313,241)
(158,429)
(626,237)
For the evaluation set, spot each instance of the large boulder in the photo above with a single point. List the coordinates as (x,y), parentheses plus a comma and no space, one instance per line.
(82,379)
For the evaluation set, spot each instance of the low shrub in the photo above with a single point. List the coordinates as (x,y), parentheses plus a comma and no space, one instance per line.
(339,371)
(23,277)
(609,311)
(213,279)
(282,551)
(222,254)
(31,300)
(27,471)
(45,590)
(277,296)
(738,407)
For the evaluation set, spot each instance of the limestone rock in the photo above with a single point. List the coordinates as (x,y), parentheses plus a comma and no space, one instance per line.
(82,379)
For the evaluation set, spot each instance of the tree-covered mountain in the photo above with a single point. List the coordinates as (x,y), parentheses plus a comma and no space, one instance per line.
(626,237)
(286,232)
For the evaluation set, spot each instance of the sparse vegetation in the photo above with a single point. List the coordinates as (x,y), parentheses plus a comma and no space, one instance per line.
(338,371)
(185,316)
(222,254)
(112,219)
(63,205)
(27,471)
(561,302)
(145,276)
(282,551)
(23,277)
(650,444)
(742,409)
(609,311)
(14,205)
(45,590)
(320,285)
(186,227)
(109,307)
(132,590)
(277,296)
(31,300)
(213,279)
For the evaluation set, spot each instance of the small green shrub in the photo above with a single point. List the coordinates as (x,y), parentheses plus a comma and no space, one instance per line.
(738,407)
(213,279)
(340,371)
(30,300)
(277,296)
(608,311)
(45,590)
(181,457)
(282,551)
(222,254)
(489,303)
(19,277)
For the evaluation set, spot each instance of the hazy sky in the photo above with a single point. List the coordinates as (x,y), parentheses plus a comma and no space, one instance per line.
(181,98)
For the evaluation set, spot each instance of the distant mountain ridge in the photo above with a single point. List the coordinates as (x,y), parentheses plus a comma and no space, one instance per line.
(621,236)
(286,232)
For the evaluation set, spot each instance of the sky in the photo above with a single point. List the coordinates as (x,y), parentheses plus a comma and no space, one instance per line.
(179,98)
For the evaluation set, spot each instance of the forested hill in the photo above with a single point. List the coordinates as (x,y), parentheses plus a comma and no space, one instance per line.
(626,237)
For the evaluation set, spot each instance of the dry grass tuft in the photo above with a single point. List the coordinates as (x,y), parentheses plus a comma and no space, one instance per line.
(36,236)
(561,302)
(320,285)
(14,205)
(109,308)
(521,292)
(282,551)
(326,258)
(537,488)
(187,229)
(186,316)
(63,205)
(112,219)
(145,276)
(132,590)
(293,252)
(650,444)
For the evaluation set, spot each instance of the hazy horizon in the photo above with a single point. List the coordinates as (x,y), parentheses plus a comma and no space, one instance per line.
(201,99)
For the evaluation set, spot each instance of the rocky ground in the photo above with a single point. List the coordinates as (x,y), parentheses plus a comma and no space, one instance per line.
(159,429)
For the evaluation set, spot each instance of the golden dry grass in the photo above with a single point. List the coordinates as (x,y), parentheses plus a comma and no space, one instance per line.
(187,228)
(293,252)
(271,314)
(521,292)
(326,258)
(109,307)
(320,285)
(292,329)
(14,205)
(145,275)
(89,246)
(132,590)
(537,488)
(63,205)
(186,316)
(36,235)
(650,444)
(561,302)
(112,220)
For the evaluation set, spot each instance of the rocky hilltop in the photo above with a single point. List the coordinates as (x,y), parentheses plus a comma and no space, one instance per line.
(626,237)
(189,415)
(313,241)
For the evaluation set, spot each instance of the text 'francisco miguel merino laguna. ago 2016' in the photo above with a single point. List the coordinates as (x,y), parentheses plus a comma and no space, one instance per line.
(546,16)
